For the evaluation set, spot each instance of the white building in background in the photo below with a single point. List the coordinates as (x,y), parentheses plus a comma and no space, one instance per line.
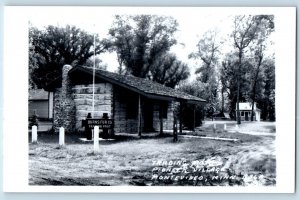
(40,103)
(246,109)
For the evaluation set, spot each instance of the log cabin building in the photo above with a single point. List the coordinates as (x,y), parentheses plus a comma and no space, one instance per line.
(135,104)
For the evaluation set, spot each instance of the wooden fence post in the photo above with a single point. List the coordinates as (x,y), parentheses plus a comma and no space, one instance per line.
(96,139)
(34,134)
(61,136)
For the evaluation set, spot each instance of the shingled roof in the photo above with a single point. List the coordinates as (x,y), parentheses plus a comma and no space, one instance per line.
(142,86)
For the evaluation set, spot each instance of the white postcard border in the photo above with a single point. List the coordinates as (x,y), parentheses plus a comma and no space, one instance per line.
(15,91)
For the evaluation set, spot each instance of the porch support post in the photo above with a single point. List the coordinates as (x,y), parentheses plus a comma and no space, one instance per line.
(161,118)
(194,117)
(180,117)
(175,137)
(139,117)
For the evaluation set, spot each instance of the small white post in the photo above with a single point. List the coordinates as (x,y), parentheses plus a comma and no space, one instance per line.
(236,127)
(34,134)
(225,127)
(96,139)
(215,127)
(61,136)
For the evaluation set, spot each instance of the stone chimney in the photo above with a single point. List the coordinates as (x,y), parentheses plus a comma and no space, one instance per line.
(64,107)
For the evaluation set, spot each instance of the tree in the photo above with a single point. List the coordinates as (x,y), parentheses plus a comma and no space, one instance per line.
(266,99)
(140,40)
(246,29)
(208,52)
(98,63)
(33,64)
(228,80)
(258,57)
(54,47)
(169,71)
(195,88)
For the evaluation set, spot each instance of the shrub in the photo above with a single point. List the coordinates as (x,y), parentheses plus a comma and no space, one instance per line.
(33,121)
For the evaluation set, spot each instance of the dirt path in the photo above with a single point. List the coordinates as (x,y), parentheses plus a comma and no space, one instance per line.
(251,128)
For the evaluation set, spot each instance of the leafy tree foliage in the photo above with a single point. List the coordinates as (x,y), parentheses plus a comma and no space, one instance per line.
(98,63)
(53,47)
(266,100)
(208,52)
(33,65)
(168,70)
(228,77)
(195,88)
(142,44)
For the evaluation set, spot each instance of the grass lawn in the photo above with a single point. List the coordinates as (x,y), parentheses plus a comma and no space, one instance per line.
(154,161)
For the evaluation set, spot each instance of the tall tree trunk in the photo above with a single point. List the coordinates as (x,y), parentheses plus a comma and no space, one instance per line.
(238,88)
(253,101)
(254,86)
(222,101)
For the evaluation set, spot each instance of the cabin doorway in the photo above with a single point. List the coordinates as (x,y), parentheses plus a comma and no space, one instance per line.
(148,116)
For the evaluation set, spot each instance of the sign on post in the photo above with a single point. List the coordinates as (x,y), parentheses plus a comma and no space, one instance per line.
(101,123)
(104,124)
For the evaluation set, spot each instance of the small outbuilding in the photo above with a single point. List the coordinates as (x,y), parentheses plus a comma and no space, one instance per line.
(40,103)
(246,110)
(134,104)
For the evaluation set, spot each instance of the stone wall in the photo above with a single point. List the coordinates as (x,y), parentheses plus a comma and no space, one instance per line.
(64,107)
(83,98)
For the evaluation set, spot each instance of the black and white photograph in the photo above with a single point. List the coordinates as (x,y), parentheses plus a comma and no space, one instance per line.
(152,97)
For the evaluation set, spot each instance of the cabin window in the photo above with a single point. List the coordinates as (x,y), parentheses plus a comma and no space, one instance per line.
(242,114)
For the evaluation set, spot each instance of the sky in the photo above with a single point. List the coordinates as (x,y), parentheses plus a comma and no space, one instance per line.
(193,23)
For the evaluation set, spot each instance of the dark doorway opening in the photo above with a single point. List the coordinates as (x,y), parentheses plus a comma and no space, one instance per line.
(148,116)
(246,116)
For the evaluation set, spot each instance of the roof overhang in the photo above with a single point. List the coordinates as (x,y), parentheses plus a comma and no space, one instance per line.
(75,70)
